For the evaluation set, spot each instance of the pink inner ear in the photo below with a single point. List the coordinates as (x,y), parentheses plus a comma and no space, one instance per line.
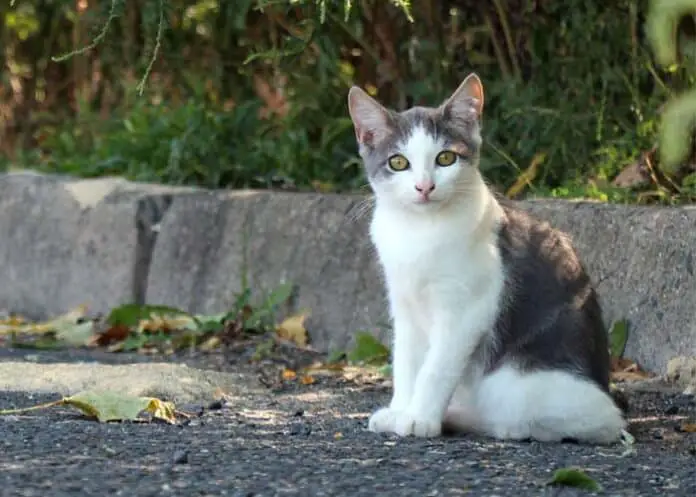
(475,91)
(364,137)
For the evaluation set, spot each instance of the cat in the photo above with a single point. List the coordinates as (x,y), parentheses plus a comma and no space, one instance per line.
(497,328)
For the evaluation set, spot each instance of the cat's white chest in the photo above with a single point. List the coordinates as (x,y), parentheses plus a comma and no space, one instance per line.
(428,257)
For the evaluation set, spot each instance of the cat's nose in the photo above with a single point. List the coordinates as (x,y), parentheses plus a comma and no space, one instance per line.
(425,187)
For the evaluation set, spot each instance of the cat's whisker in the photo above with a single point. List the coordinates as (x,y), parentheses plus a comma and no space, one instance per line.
(361,209)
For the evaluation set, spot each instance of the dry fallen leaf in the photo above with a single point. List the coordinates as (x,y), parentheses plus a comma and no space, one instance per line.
(623,369)
(293,329)
(115,333)
(289,374)
(629,376)
(688,427)
(632,176)
(307,380)
(160,322)
(210,344)
(19,326)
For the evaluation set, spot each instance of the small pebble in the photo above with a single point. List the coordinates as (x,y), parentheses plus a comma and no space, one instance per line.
(180,457)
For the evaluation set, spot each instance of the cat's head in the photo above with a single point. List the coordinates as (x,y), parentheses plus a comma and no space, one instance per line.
(423,157)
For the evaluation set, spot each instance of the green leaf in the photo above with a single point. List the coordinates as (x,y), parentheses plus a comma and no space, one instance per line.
(112,406)
(336,356)
(133,342)
(574,477)
(618,336)
(130,315)
(368,350)
(274,299)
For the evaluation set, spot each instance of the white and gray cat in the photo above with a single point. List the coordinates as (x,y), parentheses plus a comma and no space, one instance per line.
(497,329)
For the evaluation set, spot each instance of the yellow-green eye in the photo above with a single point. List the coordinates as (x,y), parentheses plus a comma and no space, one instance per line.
(446,158)
(398,162)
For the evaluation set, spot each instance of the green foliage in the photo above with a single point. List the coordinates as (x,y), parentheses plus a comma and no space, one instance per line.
(252,93)
(574,477)
(679,121)
(618,337)
(368,350)
(196,144)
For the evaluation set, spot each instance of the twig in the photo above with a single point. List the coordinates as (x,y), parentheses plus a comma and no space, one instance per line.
(97,39)
(155,50)
(497,48)
(508,38)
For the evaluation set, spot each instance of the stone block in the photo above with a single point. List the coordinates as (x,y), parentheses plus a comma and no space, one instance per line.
(68,242)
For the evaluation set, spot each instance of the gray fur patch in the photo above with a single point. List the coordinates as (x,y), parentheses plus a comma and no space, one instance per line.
(551,318)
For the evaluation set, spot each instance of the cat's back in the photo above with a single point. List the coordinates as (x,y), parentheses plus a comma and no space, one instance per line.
(536,252)
(552,316)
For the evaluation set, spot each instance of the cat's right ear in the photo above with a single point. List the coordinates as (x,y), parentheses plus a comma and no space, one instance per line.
(370,119)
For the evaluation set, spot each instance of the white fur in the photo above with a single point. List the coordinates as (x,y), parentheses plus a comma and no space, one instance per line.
(445,279)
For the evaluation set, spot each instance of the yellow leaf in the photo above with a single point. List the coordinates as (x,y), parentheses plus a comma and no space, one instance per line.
(51,326)
(12,321)
(307,380)
(166,322)
(338,435)
(210,344)
(289,374)
(162,410)
(293,329)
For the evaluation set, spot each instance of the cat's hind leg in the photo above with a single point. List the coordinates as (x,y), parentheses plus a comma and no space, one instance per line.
(548,406)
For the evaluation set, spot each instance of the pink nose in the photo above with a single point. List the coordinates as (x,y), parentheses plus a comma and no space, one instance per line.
(425,187)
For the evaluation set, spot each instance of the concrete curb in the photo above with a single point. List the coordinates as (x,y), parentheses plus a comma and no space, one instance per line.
(105,242)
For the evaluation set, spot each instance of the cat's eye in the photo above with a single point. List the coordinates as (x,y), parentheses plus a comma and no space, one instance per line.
(446,158)
(398,163)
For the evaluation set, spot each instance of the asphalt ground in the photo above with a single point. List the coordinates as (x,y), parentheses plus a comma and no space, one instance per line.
(284,438)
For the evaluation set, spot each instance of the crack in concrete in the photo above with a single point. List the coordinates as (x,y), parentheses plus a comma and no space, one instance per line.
(149,214)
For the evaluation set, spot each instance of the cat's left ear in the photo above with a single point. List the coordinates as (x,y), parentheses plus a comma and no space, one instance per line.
(370,119)
(467,100)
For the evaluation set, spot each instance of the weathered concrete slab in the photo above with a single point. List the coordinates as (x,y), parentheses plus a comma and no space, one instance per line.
(642,261)
(211,246)
(640,258)
(66,242)
(106,242)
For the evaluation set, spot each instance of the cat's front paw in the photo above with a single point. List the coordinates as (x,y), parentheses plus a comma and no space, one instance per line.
(418,425)
(384,420)
(404,423)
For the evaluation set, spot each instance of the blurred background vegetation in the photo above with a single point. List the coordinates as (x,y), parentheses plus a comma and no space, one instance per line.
(252,93)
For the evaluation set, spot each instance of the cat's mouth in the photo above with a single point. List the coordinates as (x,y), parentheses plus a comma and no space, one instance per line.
(422,200)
